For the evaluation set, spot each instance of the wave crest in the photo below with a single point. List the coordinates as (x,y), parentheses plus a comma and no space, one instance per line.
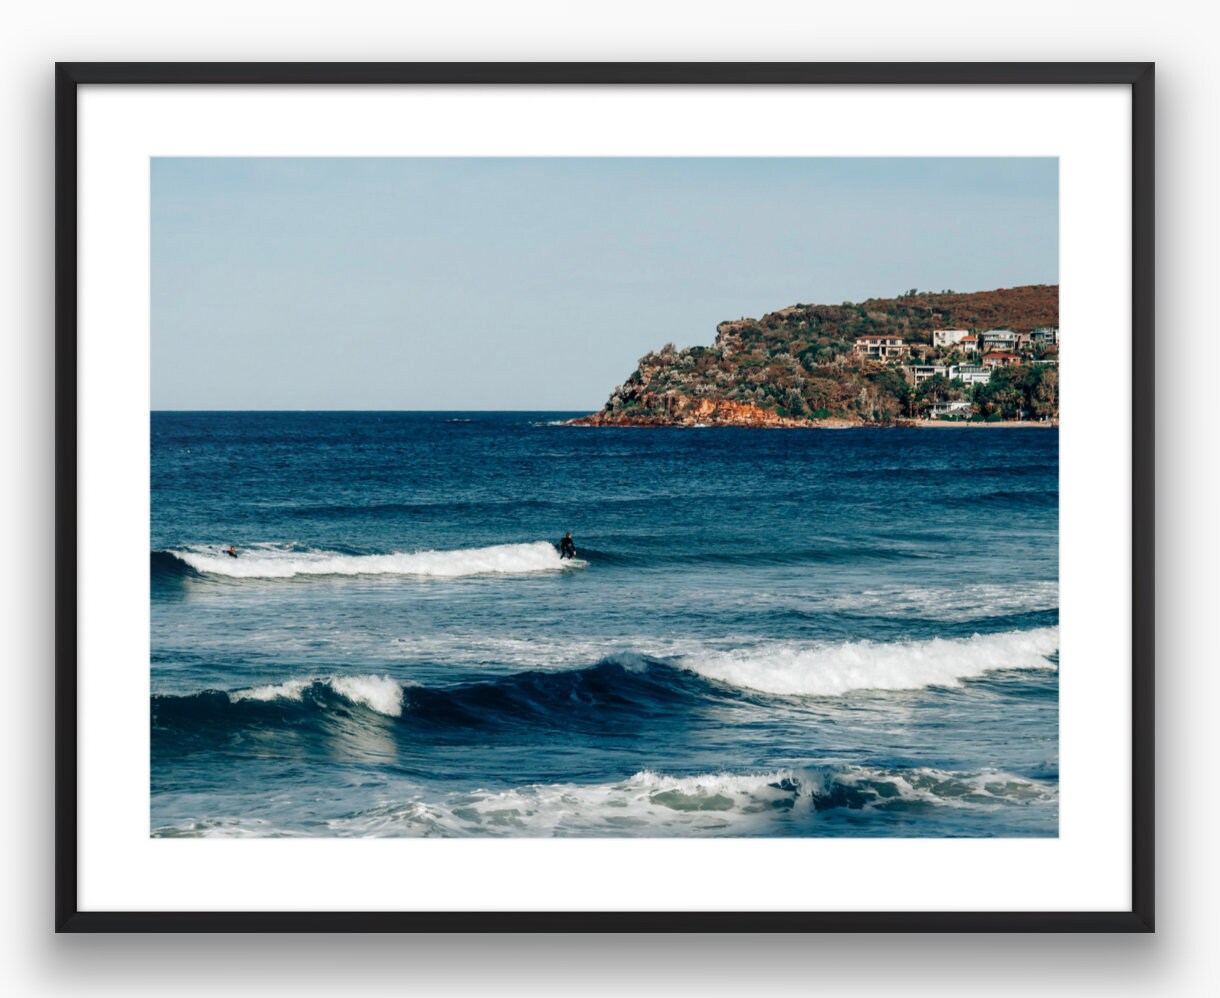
(790,668)
(620,690)
(273,561)
(379,693)
(653,804)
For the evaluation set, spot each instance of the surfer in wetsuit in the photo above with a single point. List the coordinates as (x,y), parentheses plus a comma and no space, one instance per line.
(231,551)
(567,548)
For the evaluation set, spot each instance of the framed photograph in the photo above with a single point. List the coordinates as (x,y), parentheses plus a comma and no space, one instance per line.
(590,497)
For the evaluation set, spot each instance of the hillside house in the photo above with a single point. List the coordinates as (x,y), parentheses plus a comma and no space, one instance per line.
(917,374)
(880,347)
(1001,359)
(971,374)
(1002,340)
(939,410)
(948,337)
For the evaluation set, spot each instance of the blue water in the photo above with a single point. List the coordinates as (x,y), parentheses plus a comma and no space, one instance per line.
(763,632)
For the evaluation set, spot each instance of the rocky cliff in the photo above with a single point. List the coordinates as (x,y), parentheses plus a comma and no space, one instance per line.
(673,409)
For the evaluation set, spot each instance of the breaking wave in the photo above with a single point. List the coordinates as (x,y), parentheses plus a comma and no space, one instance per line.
(828,669)
(379,693)
(627,688)
(277,561)
(651,804)
(825,668)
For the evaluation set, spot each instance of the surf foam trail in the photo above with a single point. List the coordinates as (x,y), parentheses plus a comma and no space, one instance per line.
(379,693)
(651,804)
(272,561)
(829,669)
(472,648)
(626,689)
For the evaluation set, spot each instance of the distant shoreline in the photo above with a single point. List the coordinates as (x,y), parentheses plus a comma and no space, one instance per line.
(1006,424)
(653,423)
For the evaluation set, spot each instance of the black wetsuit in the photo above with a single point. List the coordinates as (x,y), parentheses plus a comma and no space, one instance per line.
(566,548)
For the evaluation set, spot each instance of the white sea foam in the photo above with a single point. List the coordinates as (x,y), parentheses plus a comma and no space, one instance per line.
(225,828)
(770,666)
(965,601)
(379,693)
(271,561)
(290,690)
(652,804)
(827,669)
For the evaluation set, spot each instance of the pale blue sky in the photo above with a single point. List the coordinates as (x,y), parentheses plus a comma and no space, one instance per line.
(538,283)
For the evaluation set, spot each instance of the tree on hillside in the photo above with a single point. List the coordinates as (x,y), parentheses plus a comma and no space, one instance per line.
(1044,401)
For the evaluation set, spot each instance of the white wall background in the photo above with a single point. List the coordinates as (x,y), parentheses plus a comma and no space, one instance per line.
(1178,960)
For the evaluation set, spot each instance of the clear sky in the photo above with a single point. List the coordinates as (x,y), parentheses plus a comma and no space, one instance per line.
(538,283)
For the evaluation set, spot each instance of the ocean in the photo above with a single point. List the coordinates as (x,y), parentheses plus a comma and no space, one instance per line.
(762,633)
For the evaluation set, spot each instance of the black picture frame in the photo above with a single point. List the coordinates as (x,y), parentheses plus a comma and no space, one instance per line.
(1139,76)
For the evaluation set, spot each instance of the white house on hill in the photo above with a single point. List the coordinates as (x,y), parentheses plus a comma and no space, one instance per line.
(948,337)
(971,374)
(958,408)
(880,347)
(998,339)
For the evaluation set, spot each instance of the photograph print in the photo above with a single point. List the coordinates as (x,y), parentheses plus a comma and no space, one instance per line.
(604,497)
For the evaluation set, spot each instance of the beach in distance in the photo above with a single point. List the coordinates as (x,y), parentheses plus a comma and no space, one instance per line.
(760,634)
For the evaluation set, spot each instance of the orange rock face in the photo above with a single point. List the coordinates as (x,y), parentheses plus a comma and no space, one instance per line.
(679,410)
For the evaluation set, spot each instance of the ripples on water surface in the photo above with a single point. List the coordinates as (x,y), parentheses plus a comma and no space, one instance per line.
(815,633)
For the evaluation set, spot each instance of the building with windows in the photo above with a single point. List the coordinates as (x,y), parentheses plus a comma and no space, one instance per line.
(1003,340)
(1001,359)
(1045,337)
(939,410)
(880,347)
(948,337)
(971,374)
(917,374)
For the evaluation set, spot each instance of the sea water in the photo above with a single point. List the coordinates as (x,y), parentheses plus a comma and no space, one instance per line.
(763,632)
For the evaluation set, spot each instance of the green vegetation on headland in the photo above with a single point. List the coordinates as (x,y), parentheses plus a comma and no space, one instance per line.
(988,356)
